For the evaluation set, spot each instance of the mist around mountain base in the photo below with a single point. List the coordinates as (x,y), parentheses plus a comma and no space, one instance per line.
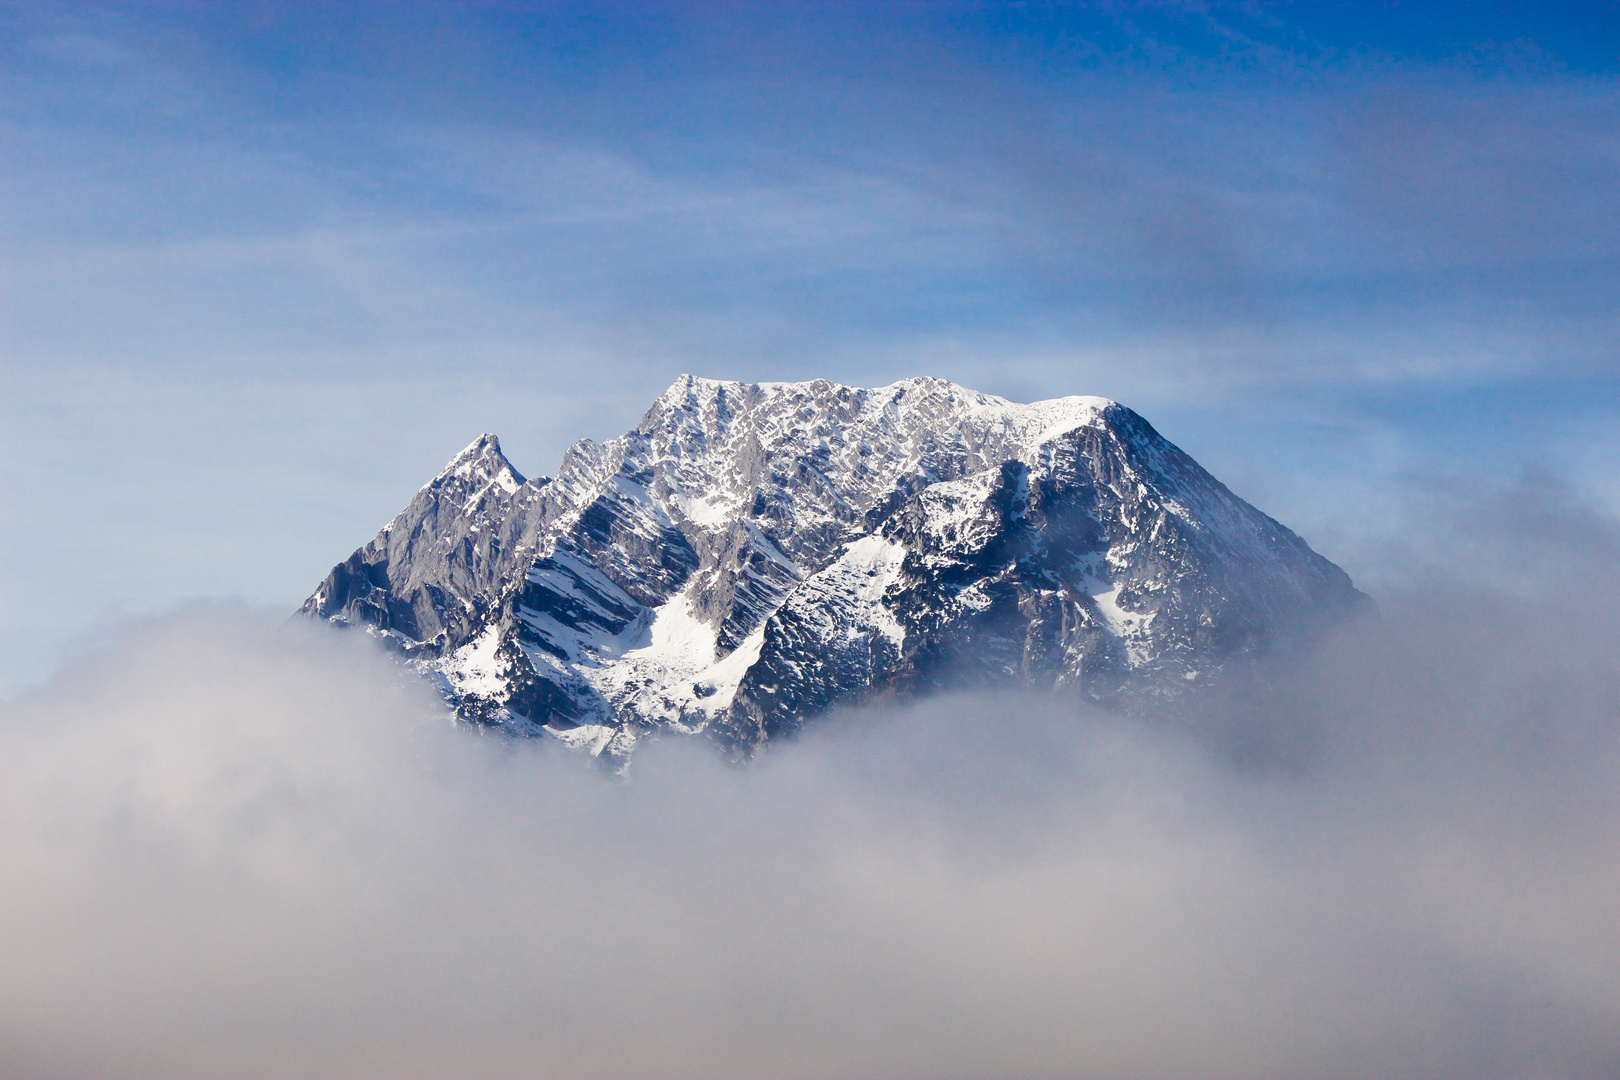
(236,846)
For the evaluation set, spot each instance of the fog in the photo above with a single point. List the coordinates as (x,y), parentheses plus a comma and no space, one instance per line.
(236,847)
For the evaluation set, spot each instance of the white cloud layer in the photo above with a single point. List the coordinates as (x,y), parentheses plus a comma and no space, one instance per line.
(234,848)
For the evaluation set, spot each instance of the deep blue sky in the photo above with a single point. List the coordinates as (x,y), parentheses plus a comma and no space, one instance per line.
(265,267)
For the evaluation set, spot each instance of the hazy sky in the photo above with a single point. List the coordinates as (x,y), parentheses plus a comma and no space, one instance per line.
(265,267)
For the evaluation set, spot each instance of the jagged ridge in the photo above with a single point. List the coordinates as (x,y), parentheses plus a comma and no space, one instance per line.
(753,554)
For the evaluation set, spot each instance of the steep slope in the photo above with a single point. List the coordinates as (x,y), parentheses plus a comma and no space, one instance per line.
(430,577)
(753,554)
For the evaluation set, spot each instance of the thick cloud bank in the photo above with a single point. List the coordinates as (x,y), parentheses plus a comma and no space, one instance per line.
(231,848)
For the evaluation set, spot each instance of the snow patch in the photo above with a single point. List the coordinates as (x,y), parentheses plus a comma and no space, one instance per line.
(1129,626)
(475,668)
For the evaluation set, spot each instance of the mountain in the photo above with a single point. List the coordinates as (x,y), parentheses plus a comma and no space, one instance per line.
(751,555)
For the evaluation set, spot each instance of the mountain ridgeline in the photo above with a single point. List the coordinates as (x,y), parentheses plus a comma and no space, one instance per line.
(752,555)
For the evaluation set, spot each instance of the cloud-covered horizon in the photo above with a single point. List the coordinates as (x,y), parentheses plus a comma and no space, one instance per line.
(235,846)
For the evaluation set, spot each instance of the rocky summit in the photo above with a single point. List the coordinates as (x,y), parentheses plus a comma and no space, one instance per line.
(752,555)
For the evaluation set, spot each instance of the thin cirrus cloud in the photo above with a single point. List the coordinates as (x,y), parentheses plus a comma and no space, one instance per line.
(944,190)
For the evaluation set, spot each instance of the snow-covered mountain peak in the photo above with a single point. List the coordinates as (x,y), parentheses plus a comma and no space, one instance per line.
(750,554)
(480,463)
(715,442)
(712,405)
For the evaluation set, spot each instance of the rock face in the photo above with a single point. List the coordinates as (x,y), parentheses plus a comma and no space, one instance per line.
(751,555)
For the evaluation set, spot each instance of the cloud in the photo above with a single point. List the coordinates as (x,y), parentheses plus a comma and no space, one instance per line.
(781,190)
(232,847)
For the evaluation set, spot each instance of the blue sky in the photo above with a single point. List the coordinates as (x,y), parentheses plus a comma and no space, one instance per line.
(265,267)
